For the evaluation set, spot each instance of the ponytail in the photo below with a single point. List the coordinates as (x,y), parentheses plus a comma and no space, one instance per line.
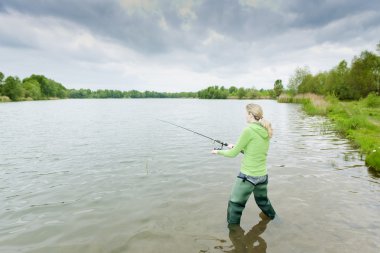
(267,125)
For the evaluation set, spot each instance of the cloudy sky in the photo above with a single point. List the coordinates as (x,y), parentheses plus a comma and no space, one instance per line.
(181,45)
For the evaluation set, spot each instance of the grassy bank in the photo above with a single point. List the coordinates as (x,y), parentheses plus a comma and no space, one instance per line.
(359,121)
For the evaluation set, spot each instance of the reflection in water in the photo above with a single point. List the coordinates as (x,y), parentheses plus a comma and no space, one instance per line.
(250,242)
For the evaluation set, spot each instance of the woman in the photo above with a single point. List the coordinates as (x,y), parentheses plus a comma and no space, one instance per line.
(253,178)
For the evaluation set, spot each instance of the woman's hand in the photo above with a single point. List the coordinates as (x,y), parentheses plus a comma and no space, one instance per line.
(214,152)
(230,146)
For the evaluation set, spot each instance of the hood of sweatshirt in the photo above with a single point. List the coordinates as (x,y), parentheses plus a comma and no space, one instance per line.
(260,130)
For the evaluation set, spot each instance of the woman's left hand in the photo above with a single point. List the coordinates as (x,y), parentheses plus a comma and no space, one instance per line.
(214,151)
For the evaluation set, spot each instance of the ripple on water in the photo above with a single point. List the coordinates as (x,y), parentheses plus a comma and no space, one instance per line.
(109,178)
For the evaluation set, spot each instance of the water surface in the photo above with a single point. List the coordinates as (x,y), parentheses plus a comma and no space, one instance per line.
(107,176)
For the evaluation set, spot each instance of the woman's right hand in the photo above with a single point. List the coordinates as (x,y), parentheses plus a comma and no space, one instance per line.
(230,146)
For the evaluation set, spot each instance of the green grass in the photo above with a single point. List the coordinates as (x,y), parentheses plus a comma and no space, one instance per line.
(311,109)
(359,121)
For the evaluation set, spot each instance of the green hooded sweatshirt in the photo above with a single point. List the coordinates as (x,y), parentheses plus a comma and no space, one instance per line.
(254,141)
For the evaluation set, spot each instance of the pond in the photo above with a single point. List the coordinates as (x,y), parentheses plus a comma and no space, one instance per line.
(108,176)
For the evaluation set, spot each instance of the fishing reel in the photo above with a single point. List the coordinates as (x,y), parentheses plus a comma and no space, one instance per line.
(221,143)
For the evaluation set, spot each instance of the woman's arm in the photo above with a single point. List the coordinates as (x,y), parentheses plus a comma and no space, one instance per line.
(244,138)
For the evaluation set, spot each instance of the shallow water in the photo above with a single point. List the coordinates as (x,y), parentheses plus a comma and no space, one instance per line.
(106,176)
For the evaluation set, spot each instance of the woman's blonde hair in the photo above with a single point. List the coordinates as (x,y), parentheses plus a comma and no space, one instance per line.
(257,113)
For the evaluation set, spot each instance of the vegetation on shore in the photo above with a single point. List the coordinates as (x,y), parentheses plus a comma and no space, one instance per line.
(39,87)
(349,96)
(359,120)
(216,92)
(344,81)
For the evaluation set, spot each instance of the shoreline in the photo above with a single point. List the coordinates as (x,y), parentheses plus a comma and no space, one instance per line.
(358,121)
(4,99)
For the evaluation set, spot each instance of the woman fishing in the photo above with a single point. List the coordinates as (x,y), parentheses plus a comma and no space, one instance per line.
(253,177)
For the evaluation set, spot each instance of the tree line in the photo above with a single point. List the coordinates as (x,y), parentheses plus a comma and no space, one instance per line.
(87,93)
(39,87)
(216,92)
(344,81)
(36,87)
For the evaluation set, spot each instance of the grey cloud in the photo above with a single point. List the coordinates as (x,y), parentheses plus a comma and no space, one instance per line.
(349,28)
(142,32)
(16,43)
(239,21)
(314,14)
(104,18)
(255,36)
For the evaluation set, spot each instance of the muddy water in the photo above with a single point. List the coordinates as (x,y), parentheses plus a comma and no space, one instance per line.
(106,176)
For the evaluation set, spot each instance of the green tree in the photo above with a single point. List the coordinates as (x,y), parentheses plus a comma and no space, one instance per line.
(309,84)
(32,89)
(297,78)
(278,87)
(241,93)
(232,90)
(12,88)
(1,83)
(252,93)
(364,74)
(320,81)
(82,93)
(337,81)
(213,92)
(49,88)
(42,80)
(377,70)
(271,93)
(135,94)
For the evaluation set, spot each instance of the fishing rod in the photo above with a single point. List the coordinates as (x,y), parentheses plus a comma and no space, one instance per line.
(217,141)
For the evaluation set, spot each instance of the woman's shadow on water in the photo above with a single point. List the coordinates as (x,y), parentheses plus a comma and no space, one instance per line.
(249,242)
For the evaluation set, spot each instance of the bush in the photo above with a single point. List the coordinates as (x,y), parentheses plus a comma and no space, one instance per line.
(332,99)
(285,98)
(373,160)
(372,100)
(5,99)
